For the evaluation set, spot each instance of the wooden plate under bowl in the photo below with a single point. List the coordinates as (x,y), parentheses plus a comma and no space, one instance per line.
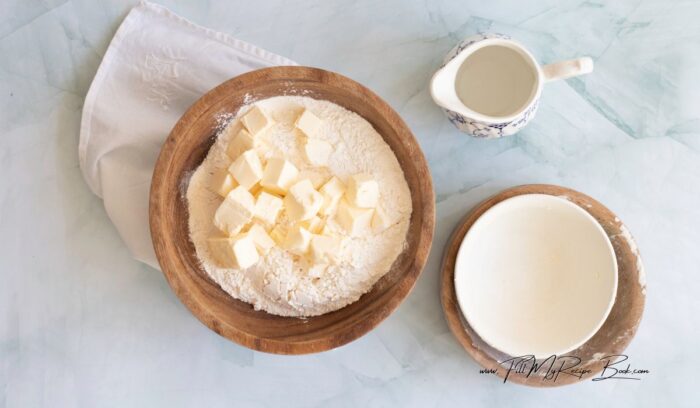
(186,148)
(611,339)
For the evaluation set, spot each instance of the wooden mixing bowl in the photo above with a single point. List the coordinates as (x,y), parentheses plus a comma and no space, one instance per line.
(186,148)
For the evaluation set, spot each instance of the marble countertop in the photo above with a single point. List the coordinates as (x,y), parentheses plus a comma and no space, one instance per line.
(82,324)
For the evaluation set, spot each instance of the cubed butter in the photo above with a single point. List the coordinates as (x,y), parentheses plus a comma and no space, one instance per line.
(236,252)
(308,123)
(256,121)
(317,151)
(256,189)
(267,207)
(222,183)
(221,249)
(380,221)
(241,142)
(356,221)
(303,201)
(261,238)
(330,228)
(247,169)
(362,191)
(314,224)
(279,234)
(332,192)
(325,248)
(316,177)
(297,240)
(278,176)
(244,252)
(235,211)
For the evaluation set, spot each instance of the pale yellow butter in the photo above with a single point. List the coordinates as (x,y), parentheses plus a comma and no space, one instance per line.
(380,221)
(313,224)
(267,207)
(256,121)
(297,240)
(247,169)
(356,221)
(303,201)
(279,234)
(332,192)
(222,183)
(316,177)
(236,252)
(325,248)
(308,123)
(235,211)
(261,238)
(278,175)
(362,191)
(244,252)
(221,249)
(241,142)
(317,151)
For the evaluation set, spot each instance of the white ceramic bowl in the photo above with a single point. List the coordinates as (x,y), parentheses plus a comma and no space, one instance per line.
(536,275)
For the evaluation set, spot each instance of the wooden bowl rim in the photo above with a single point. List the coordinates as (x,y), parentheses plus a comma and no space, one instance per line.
(171,266)
(483,353)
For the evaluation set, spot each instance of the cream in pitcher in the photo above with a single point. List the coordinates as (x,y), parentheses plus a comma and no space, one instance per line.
(489,86)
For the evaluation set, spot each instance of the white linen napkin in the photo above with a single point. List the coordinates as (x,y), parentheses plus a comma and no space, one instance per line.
(156,66)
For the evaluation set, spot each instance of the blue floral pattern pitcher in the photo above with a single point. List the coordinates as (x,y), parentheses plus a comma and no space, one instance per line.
(444,93)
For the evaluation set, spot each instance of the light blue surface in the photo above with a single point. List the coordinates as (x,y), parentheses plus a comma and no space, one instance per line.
(81,324)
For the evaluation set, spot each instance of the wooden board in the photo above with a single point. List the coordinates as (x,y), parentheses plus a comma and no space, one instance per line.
(185,149)
(612,338)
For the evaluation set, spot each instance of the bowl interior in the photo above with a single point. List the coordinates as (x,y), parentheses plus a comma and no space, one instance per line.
(186,148)
(536,275)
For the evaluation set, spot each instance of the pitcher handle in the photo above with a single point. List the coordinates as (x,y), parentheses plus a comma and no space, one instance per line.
(567,69)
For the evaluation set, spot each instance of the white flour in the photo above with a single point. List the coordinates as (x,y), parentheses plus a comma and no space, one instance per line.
(280,283)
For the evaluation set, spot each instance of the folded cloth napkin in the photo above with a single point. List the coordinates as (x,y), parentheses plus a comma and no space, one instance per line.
(156,66)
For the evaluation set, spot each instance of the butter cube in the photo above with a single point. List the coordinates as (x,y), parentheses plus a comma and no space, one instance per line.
(279,234)
(330,229)
(235,211)
(308,123)
(325,248)
(303,201)
(363,191)
(380,221)
(317,151)
(256,121)
(267,207)
(356,221)
(256,189)
(221,249)
(236,252)
(314,224)
(222,183)
(247,169)
(241,142)
(332,192)
(261,239)
(244,252)
(316,178)
(278,175)
(297,240)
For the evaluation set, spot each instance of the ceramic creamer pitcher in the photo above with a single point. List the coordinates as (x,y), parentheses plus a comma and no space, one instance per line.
(489,85)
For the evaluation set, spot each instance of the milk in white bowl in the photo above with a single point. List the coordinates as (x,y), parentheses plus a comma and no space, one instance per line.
(536,275)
